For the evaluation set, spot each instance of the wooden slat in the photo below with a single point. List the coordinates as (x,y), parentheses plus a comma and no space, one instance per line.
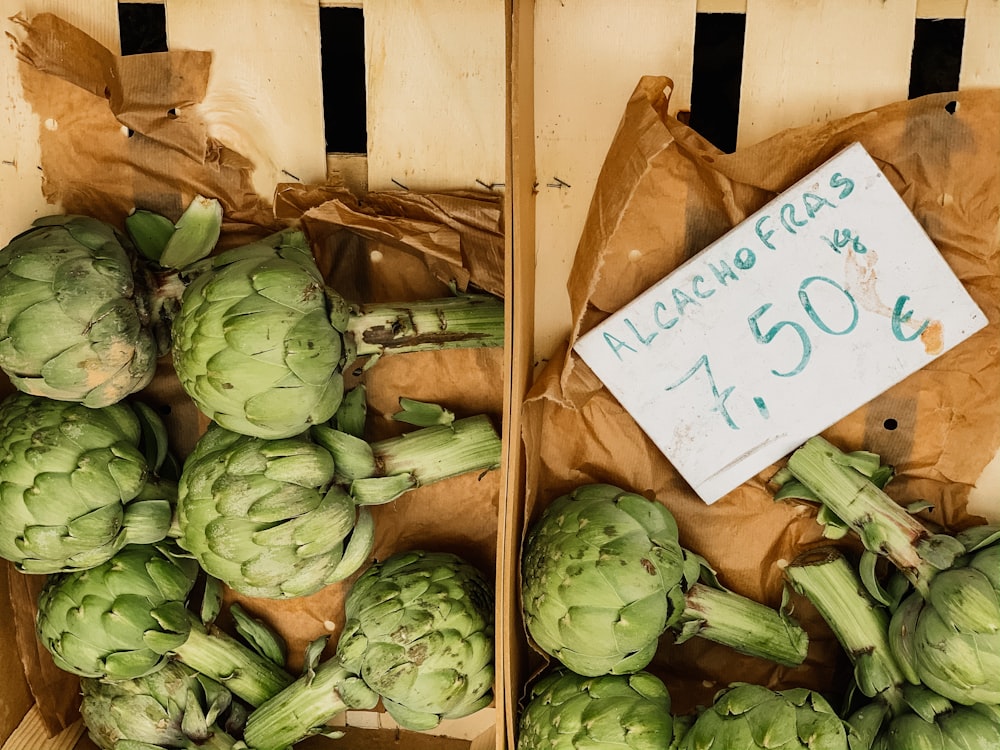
(981,48)
(807,61)
(264,95)
(31,734)
(589,55)
(435,93)
(925,8)
(20,177)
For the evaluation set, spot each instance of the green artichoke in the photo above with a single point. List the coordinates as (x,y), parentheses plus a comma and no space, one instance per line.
(949,639)
(750,717)
(74,320)
(174,707)
(286,517)
(419,633)
(127,618)
(82,314)
(895,714)
(75,486)
(569,712)
(931,723)
(946,633)
(603,575)
(260,341)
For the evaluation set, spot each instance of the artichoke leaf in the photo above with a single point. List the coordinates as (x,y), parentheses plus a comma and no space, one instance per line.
(262,638)
(381,490)
(352,456)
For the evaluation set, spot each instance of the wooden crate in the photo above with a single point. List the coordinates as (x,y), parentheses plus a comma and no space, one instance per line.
(435,120)
(574,66)
(520,96)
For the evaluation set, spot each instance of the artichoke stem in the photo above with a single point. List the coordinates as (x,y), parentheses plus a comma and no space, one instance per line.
(303,708)
(743,624)
(827,579)
(465,321)
(243,671)
(432,454)
(884,526)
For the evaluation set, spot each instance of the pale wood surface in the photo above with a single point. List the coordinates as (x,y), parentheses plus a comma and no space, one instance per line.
(806,62)
(265,92)
(981,48)
(589,55)
(32,735)
(435,93)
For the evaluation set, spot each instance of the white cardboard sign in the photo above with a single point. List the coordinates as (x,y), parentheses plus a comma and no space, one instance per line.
(823,299)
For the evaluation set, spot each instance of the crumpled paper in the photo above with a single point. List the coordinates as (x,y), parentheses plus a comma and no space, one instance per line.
(128,138)
(664,194)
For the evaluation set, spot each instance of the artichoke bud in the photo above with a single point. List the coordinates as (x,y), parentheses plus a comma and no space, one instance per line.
(965,598)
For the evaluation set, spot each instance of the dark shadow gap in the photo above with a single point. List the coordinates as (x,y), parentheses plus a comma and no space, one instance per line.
(342,39)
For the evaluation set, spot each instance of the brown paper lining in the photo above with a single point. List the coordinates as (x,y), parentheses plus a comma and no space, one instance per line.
(664,193)
(126,136)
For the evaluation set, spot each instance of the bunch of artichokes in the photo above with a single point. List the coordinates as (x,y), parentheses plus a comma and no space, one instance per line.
(945,633)
(259,341)
(887,709)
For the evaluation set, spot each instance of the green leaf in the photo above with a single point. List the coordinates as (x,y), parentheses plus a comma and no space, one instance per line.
(422,413)
(261,638)
(195,235)
(149,232)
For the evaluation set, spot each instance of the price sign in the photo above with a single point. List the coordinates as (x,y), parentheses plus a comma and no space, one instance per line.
(823,299)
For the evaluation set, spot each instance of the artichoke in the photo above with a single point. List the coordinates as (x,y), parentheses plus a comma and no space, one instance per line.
(80,310)
(748,717)
(934,723)
(260,341)
(75,486)
(949,639)
(895,714)
(568,712)
(285,517)
(174,707)
(419,633)
(946,633)
(603,575)
(127,618)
